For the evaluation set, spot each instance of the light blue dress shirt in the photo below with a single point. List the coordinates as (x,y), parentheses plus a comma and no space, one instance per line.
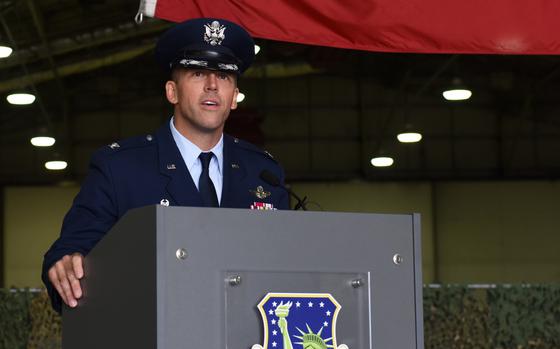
(190,152)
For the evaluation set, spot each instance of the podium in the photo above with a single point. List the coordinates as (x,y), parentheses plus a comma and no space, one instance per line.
(212,278)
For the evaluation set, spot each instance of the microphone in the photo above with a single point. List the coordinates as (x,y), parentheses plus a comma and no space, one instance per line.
(271,179)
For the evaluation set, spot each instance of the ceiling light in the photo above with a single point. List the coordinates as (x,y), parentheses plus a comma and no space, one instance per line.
(5,51)
(43,138)
(382,161)
(457,91)
(257,49)
(457,94)
(56,165)
(42,141)
(240,97)
(409,137)
(21,98)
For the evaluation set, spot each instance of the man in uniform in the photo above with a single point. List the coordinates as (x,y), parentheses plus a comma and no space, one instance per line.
(187,162)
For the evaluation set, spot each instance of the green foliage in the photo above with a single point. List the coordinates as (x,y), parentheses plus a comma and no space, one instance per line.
(525,317)
(455,317)
(15,321)
(501,317)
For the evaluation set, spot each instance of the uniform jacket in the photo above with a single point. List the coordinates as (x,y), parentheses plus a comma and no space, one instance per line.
(149,170)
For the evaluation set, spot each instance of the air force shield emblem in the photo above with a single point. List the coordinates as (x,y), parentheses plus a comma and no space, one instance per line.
(299,321)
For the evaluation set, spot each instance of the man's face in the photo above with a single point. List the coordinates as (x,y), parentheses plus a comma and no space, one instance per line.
(202,99)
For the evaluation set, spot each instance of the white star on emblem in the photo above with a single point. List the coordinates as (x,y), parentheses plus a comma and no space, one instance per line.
(273,322)
(274,344)
(271,312)
(321,304)
(328,313)
(274,304)
(274,333)
(298,304)
(310,304)
(326,324)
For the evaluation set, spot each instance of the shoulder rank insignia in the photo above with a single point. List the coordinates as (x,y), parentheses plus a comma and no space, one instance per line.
(307,319)
(114,145)
(260,192)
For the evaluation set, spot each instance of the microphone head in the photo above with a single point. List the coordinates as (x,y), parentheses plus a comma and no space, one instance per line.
(270,178)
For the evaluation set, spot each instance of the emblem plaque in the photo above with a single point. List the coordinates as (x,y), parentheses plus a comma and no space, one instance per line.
(296,320)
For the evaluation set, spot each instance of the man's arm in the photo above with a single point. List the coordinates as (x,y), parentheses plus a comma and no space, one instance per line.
(93,213)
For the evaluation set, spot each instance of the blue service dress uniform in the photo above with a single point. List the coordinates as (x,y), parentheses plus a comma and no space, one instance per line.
(148,170)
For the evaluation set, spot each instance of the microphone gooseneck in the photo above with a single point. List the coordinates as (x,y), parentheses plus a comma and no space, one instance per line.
(273,180)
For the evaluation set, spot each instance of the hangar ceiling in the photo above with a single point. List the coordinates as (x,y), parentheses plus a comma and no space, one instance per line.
(323,112)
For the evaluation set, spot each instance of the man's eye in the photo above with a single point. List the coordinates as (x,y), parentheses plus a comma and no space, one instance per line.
(197,73)
(223,76)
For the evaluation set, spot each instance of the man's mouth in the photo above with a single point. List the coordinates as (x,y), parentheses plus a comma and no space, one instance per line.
(210,103)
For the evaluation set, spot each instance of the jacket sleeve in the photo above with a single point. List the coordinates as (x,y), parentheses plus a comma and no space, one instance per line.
(93,212)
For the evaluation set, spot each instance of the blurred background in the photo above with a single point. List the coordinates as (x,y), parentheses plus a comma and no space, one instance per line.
(484,174)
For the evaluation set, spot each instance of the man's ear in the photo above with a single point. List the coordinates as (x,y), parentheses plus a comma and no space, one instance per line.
(234,102)
(171,92)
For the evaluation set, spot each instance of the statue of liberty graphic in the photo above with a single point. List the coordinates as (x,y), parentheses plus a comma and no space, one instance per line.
(309,340)
(285,314)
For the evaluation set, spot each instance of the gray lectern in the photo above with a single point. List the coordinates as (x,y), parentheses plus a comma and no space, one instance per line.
(203,278)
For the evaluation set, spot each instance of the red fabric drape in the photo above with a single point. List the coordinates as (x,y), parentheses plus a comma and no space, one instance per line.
(421,26)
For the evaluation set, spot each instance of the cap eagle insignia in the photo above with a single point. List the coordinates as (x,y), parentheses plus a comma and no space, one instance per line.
(214,33)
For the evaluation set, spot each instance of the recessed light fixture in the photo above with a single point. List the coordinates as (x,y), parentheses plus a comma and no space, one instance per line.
(257,49)
(409,137)
(240,97)
(20,98)
(43,141)
(382,161)
(56,165)
(5,51)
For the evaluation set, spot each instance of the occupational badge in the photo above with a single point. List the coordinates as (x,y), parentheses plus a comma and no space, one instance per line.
(214,33)
(294,319)
(260,192)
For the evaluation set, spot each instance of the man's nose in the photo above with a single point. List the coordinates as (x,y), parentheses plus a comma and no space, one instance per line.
(211,82)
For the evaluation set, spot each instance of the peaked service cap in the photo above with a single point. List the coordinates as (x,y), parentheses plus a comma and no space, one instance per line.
(206,43)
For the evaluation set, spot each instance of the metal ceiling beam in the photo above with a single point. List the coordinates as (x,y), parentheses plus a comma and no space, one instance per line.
(83,41)
(527,112)
(75,68)
(13,43)
(39,25)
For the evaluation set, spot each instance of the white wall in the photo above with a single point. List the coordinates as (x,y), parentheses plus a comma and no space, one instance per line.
(32,220)
(472,231)
(499,231)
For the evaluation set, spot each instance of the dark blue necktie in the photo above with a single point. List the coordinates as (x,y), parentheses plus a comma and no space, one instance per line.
(205,185)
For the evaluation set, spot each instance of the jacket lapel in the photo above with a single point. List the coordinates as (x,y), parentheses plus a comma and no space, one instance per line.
(180,185)
(234,172)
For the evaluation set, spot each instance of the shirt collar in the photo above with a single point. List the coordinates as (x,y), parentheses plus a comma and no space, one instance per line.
(190,151)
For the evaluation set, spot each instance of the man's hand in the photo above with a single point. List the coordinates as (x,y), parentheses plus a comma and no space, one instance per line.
(65,276)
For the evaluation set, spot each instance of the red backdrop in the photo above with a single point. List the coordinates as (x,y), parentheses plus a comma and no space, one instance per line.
(422,26)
